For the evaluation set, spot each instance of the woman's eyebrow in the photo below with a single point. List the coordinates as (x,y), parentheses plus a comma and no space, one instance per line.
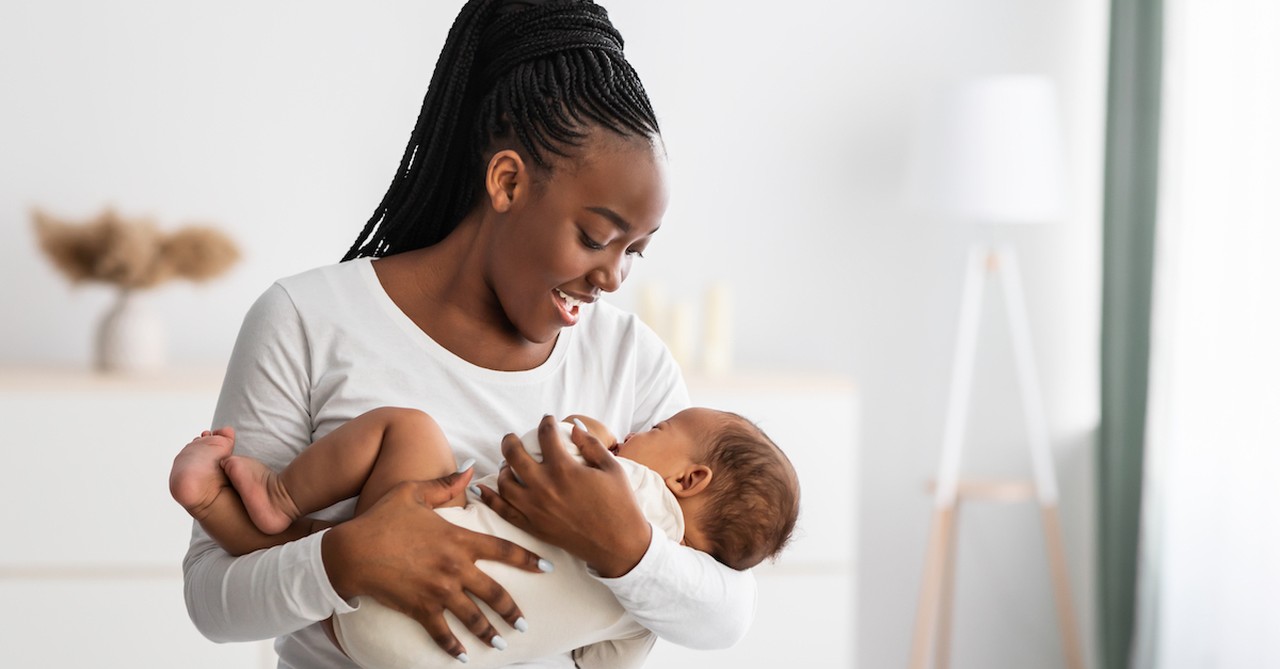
(613,217)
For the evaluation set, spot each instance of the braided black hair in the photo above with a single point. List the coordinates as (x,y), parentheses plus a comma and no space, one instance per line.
(541,73)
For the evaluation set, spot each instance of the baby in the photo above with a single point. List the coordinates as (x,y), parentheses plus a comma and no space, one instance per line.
(709,479)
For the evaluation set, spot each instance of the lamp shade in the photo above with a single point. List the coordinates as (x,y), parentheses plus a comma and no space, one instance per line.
(991,150)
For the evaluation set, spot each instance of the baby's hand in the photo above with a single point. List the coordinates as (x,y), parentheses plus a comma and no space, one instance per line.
(596,428)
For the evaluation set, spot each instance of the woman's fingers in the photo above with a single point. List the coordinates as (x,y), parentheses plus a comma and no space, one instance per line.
(500,550)
(518,460)
(588,509)
(487,590)
(495,501)
(405,555)
(553,451)
(438,629)
(439,491)
(473,619)
(593,452)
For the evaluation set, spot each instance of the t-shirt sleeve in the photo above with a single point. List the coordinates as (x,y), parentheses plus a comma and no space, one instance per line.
(687,597)
(265,398)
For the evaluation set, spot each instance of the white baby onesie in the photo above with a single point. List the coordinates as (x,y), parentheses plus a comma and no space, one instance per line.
(567,609)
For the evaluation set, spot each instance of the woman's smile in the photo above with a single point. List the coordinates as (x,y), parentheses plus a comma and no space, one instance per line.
(569,306)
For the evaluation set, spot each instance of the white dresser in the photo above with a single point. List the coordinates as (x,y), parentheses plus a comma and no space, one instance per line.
(91,544)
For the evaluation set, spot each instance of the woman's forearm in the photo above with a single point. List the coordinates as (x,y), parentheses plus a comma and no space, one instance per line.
(257,596)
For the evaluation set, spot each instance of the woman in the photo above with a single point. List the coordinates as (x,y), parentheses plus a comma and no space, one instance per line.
(533,179)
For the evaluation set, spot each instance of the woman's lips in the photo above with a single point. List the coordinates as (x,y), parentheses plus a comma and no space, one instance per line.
(567,306)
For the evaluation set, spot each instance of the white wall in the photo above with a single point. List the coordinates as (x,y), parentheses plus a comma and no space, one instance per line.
(787,125)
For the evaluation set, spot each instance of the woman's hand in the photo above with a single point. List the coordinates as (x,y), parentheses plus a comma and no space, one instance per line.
(587,509)
(403,554)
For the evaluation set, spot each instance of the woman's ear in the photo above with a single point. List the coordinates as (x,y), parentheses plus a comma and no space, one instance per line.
(505,180)
(692,481)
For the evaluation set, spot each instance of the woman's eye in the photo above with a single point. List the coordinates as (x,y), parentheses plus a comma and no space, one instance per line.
(639,253)
(591,243)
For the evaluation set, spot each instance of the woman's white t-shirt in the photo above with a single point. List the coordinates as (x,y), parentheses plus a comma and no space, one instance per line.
(325,346)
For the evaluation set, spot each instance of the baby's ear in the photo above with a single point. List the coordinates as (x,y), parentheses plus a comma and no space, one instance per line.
(693,480)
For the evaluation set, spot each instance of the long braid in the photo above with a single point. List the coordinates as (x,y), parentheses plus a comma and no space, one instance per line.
(542,73)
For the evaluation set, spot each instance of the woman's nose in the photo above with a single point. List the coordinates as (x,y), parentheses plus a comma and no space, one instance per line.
(609,276)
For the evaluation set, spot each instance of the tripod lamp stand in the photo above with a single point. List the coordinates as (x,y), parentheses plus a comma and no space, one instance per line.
(990,151)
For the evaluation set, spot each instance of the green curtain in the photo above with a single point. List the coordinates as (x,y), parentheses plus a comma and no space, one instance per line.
(1129,222)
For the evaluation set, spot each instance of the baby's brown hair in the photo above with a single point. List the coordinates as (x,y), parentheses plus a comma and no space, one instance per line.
(754,495)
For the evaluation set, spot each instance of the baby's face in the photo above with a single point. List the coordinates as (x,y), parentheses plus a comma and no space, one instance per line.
(672,444)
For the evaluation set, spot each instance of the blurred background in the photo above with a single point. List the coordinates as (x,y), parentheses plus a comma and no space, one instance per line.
(789,128)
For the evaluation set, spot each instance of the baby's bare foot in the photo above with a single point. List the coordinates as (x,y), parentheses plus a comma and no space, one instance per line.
(196,478)
(269,505)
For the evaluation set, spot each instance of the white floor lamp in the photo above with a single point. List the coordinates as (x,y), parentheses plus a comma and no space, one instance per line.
(991,151)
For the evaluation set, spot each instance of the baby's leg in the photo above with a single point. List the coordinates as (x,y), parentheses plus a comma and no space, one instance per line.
(198,483)
(366,456)
(414,448)
(196,479)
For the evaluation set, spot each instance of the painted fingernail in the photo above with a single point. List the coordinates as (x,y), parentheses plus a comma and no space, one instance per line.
(498,642)
(474,490)
(466,464)
(545,566)
(462,657)
(521,625)
(578,422)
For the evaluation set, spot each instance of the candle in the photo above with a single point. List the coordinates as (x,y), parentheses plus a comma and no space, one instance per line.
(680,333)
(653,309)
(717,334)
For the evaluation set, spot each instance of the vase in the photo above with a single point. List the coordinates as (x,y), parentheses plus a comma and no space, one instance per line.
(131,338)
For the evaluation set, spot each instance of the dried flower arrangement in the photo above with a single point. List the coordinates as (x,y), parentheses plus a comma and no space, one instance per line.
(133,253)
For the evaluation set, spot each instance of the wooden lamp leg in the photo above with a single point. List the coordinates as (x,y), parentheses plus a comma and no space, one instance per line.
(942,641)
(939,554)
(1061,587)
(937,593)
(942,531)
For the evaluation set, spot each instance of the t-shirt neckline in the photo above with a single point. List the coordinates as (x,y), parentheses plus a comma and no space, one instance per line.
(448,358)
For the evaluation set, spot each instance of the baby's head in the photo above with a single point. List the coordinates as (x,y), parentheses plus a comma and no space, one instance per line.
(738,491)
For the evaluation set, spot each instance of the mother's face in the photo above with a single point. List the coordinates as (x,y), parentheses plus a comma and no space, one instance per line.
(575,235)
